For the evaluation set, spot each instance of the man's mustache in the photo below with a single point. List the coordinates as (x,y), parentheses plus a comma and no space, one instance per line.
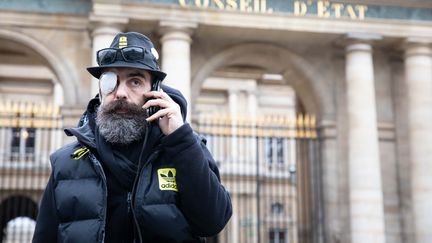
(122,105)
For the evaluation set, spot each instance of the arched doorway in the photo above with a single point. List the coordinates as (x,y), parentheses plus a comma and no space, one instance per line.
(250,103)
(32,85)
(24,56)
(16,216)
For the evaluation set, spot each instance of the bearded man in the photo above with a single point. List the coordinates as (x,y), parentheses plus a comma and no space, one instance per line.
(137,172)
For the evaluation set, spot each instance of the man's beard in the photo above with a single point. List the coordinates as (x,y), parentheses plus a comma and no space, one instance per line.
(121,128)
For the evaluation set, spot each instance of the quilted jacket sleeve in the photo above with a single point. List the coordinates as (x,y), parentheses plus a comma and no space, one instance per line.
(47,221)
(203,200)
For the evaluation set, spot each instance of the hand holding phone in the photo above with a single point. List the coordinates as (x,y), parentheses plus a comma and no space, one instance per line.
(168,114)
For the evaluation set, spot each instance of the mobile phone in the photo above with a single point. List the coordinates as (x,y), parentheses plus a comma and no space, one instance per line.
(155,87)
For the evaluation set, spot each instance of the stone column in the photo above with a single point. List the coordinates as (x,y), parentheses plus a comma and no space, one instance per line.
(176,58)
(58,93)
(418,77)
(366,195)
(233,102)
(252,103)
(233,111)
(103,33)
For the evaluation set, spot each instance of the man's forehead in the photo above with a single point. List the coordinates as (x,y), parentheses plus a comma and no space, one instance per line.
(127,71)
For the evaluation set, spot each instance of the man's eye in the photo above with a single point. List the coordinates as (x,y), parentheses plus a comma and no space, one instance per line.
(135,82)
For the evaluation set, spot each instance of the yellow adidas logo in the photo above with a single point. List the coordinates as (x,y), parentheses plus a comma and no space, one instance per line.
(167,179)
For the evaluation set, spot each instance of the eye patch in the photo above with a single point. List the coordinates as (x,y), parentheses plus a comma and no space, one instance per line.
(108,82)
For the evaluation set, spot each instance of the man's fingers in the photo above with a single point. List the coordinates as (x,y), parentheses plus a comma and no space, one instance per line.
(160,114)
(158,95)
(156,102)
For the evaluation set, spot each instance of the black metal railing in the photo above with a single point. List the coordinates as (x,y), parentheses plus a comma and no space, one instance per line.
(268,164)
(29,132)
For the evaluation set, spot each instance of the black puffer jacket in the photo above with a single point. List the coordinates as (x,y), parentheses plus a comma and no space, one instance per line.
(177,196)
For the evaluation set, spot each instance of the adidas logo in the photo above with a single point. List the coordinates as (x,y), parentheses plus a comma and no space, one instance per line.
(167,179)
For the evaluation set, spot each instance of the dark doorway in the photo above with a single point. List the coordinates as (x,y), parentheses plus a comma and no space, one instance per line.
(13,207)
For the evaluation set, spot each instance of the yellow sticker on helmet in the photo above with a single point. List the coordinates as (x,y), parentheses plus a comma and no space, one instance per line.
(123,41)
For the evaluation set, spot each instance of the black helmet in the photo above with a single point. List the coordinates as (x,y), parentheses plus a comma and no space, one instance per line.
(129,50)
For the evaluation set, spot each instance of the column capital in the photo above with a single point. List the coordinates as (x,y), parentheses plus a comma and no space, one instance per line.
(417,46)
(418,41)
(233,90)
(170,26)
(354,40)
(107,24)
(362,37)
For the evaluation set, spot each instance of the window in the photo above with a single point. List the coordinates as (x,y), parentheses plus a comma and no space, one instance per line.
(29,136)
(277,208)
(23,142)
(277,236)
(279,149)
(269,150)
(274,150)
(16,140)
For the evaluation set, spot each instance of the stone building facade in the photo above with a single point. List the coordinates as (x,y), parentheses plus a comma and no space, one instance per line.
(362,68)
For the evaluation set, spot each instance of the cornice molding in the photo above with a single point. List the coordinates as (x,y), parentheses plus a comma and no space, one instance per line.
(43,20)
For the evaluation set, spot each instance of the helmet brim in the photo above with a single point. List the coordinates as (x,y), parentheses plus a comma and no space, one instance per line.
(97,71)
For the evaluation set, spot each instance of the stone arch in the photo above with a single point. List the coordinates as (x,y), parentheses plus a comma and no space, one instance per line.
(309,86)
(65,76)
(298,72)
(13,207)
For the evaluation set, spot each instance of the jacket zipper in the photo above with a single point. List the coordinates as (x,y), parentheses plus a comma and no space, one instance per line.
(99,167)
(136,228)
(129,201)
(149,160)
(137,176)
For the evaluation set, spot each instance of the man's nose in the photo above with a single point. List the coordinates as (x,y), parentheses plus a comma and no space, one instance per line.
(121,91)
